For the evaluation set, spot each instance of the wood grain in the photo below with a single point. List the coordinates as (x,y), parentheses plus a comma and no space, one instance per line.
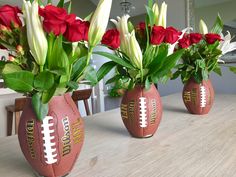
(185,145)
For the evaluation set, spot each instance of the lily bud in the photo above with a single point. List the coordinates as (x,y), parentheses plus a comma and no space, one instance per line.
(123,27)
(155,10)
(99,22)
(163,15)
(203,27)
(134,51)
(36,37)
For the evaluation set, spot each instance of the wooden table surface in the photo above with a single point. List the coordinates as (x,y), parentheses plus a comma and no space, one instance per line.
(185,145)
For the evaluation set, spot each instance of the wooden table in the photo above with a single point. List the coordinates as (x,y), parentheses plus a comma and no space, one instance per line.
(185,145)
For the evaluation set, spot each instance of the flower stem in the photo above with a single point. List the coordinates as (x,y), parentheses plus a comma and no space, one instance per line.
(141,72)
(41,68)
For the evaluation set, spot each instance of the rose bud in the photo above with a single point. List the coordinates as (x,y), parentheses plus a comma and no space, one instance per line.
(11,58)
(19,49)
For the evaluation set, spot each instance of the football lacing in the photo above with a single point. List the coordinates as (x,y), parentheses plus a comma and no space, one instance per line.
(203,101)
(49,151)
(143,112)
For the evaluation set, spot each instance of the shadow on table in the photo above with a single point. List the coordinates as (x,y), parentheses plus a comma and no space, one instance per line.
(113,129)
(175,109)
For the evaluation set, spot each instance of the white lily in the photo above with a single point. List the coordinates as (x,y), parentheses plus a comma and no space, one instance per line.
(122,27)
(203,27)
(36,37)
(134,51)
(225,45)
(99,22)
(155,10)
(163,15)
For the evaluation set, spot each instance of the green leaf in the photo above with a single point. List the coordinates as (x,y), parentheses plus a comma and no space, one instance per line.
(150,15)
(105,69)
(73,85)
(10,68)
(41,110)
(49,2)
(78,68)
(69,7)
(217,70)
(91,75)
(61,4)
(48,94)
(57,59)
(44,80)
(130,26)
(150,3)
(159,60)
(233,69)
(175,75)
(19,81)
(168,64)
(116,59)
(113,79)
(218,25)
(89,17)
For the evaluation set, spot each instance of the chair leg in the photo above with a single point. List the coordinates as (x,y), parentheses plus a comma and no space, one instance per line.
(9,123)
(17,120)
(87,107)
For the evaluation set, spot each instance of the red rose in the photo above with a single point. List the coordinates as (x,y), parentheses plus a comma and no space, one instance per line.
(184,42)
(211,38)
(9,16)
(195,38)
(55,19)
(171,35)
(158,35)
(77,31)
(112,38)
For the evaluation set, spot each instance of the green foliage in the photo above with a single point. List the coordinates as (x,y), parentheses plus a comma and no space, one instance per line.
(116,59)
(218,25)
(21,81)
(233,69)
(91,75)
(105,69)
(44,81)
(61,3)
(198,61)
(40,109)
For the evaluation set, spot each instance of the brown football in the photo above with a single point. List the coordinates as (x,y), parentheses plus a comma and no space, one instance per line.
(141,111)
(52,146)
(198,98)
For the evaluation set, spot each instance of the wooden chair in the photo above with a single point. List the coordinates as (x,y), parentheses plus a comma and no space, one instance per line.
(17,109)
(82,95)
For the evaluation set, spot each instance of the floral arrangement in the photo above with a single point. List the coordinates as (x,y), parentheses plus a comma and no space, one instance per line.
(143,54)
(202,52)
(50,49)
